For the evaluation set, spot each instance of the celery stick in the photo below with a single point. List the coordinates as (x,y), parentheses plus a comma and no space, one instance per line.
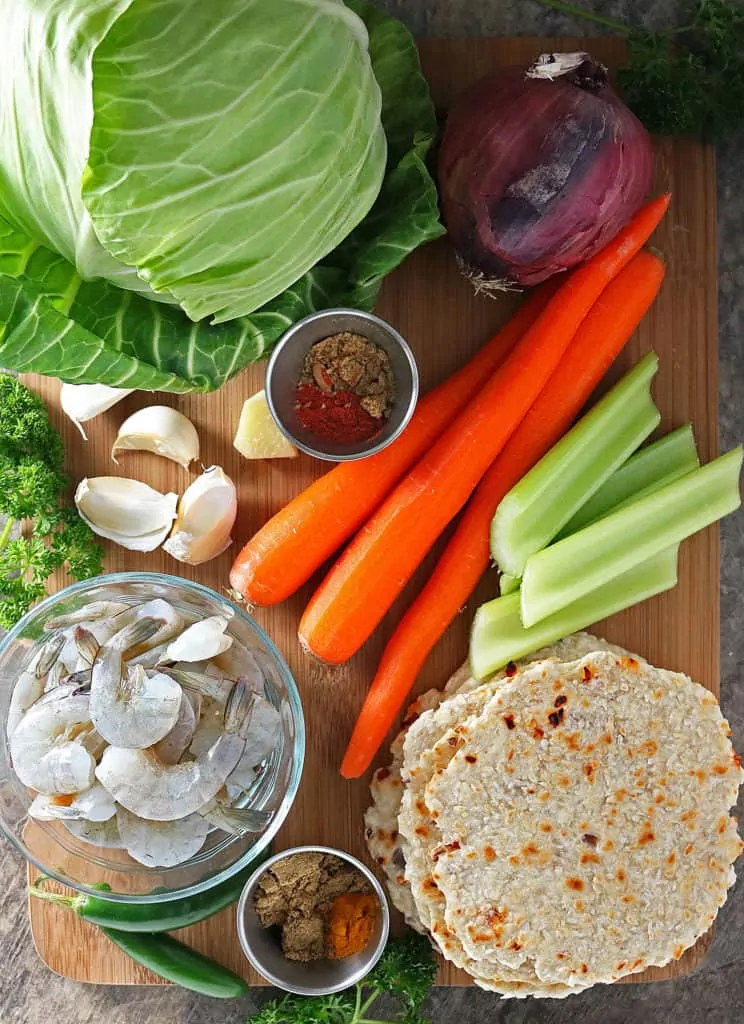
(544,500)
(566,571)
(508,584)
(498,635)
(647,471)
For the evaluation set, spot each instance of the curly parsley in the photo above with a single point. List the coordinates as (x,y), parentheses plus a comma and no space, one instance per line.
(32,483)
(687,80)
(405,972)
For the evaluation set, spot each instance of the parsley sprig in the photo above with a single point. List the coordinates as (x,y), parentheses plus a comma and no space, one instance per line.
(687,80)
(32,484)
(405,972)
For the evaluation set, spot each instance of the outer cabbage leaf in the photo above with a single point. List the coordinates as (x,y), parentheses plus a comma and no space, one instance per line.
(171,353)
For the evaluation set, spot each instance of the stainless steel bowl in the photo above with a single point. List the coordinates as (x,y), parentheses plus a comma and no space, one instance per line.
(285,367)
(321,977)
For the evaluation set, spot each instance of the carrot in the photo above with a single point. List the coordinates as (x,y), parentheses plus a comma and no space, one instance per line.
(604,332)
(377,564)
(295,542)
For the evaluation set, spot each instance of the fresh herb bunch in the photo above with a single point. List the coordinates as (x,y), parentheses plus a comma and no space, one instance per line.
(687,80)
(405,971)
(32,483)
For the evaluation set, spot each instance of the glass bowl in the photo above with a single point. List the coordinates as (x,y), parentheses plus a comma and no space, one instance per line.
(74,863)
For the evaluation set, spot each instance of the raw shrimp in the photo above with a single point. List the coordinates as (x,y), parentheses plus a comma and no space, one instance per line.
(170,623)
(44,749)
(57,674)
(237,821)
(172,747)
(262,735)
(128,707)
(139,781)
(214,687)
(210,726)
(161,844)
(203,640)
(153,658)
(87,645)
(90,613)
(30,684)
(94,804)
(98,833)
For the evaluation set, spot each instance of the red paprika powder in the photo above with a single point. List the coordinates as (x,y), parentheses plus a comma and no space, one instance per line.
(335,416)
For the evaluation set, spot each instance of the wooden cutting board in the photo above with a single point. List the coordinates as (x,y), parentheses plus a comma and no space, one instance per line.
(437,312)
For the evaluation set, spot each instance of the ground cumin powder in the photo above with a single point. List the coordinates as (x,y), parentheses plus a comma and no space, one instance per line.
(321,904)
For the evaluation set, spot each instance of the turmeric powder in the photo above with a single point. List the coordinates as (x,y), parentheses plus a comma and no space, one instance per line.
(350,924)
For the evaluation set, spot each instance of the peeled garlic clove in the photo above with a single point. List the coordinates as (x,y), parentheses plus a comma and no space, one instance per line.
(125,511)
(206,515)
(161,430)
(82,402)
(205,639)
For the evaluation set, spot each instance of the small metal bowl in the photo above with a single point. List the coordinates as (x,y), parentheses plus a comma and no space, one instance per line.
(285,367)
(320,977)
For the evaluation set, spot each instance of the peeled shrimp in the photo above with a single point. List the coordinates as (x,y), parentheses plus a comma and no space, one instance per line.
(98,833)
(31,682)
(172,747)
(128,707)
(44,749)
(94,804)
(161,844)
(140,782)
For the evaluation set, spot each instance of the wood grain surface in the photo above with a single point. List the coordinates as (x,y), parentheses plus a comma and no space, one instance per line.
(437,312)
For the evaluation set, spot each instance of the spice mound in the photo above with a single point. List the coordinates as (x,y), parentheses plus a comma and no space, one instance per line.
(346,389)
(322,905)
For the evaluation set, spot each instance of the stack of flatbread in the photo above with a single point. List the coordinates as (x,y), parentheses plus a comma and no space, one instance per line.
(563,824)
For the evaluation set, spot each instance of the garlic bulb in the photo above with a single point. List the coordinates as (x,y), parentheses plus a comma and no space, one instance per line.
(82,402)
(206,515)
(126,511)
(161,430)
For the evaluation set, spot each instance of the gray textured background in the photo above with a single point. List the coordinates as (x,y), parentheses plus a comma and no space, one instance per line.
(29,994)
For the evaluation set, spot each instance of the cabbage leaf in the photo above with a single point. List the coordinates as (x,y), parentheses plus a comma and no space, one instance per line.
(92,331)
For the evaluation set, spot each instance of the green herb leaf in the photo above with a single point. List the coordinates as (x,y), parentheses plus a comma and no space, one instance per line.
(31,488)
(687,80)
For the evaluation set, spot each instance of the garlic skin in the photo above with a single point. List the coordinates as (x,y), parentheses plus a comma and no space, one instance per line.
(83,402)
(126,511)
(161,430)
(206,516)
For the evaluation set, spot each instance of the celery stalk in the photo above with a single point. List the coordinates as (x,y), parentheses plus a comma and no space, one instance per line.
(498,635)
(650,469)
(579,564)
(544,500)
(508,584)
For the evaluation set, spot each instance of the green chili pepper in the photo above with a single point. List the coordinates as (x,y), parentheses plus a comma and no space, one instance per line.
(152,917)
(170,959)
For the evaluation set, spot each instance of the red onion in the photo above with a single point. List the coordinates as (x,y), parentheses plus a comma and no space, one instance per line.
(538,171)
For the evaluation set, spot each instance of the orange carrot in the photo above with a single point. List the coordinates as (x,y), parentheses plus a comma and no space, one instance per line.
(604,332)
(377,564)
(295,542)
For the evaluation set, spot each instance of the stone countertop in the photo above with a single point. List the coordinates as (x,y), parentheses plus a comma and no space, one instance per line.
(30,994)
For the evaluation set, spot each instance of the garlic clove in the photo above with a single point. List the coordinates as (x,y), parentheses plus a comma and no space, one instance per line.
(205,639)
(161,430)
(206,515)
(83,402)
(126,511)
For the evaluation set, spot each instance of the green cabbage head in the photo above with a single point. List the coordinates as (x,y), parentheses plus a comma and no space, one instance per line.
(205,153)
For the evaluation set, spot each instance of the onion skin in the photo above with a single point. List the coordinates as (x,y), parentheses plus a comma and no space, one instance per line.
(537,175)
